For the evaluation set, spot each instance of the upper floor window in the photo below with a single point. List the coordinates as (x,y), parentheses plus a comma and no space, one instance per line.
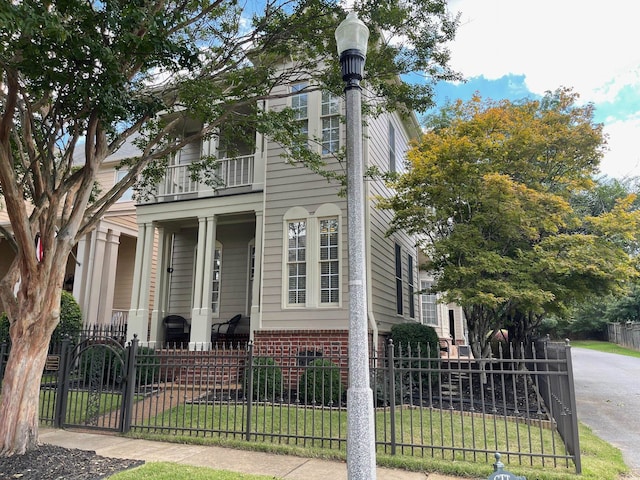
(330,123)
(127,196)
(428,305)
(392,148)
(300,106)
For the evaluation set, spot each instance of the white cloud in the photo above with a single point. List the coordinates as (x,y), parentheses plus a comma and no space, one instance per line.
(623,159)
(573,43)
(591,47)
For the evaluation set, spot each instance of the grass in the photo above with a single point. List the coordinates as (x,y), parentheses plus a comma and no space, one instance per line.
(172,471)
(418,430)
(77,405)
(600,461)
(605,347)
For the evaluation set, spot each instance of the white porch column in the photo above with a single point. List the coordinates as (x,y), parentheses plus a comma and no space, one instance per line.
(162,285)
(80,281)
(201,309)
(108,277)
(139,312)
(255,321)
(94,276)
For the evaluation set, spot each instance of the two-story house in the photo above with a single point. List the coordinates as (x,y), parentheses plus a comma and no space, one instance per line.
(271,244)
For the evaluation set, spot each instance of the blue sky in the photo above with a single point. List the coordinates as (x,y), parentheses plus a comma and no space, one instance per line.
(521,48)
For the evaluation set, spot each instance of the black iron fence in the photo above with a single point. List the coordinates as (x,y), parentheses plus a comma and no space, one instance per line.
(625,334)
(448,408)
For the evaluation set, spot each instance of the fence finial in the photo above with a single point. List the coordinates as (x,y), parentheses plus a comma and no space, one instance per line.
(500,474)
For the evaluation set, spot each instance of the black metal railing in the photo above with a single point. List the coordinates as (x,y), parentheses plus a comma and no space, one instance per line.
(447,408)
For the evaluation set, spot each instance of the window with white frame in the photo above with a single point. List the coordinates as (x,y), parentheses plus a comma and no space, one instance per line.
(217,269)
(411,286)
(312,252)
(392,148)
(398,258)
(127,196)
(330,115)
(428,304)
(329,261)
(300,106)
(297,262)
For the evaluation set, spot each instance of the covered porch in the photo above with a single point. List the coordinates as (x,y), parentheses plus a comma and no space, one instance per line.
(198,260)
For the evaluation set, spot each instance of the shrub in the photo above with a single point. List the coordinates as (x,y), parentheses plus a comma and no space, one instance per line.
(416,337)
(414,340)
(320,383)
(70,321)
(267,379)
(109,364)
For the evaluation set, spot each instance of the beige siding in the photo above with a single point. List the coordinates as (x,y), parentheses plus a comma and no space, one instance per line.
(382,249)
(289,186)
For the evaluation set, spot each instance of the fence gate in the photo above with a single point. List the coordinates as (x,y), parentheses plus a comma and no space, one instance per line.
(95,390)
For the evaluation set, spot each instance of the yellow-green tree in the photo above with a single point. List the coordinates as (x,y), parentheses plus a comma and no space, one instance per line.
(488,190)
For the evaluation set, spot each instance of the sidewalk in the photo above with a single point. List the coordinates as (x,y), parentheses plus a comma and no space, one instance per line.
(244,461)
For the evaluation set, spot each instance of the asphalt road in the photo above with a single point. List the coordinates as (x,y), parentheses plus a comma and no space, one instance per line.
(608,399)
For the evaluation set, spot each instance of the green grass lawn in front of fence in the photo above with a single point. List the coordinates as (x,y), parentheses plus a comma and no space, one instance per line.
(77,405)
(606,347)
(420,432)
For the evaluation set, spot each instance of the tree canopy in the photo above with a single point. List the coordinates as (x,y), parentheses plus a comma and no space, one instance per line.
(82,77)
(489,190)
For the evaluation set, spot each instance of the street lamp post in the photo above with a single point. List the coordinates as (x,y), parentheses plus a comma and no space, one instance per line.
(352,36)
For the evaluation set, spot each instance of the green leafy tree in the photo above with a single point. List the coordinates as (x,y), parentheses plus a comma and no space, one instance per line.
(489,191)
(81,78)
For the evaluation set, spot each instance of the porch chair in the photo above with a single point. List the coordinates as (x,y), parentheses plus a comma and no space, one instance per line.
(218,332)
(176,330)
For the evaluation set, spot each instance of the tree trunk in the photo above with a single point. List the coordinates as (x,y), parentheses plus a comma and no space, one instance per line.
(19,406)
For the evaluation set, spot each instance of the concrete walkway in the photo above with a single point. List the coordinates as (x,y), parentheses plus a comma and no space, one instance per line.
(220,458)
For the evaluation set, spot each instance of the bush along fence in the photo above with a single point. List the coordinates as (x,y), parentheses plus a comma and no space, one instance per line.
(425,406)
(625,334)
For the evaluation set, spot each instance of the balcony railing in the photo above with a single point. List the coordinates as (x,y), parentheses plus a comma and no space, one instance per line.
(231,172)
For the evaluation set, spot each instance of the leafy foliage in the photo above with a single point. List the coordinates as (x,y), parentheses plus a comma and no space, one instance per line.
(415,337)
(69,326)
(491,188)
(267,379)
(320,384)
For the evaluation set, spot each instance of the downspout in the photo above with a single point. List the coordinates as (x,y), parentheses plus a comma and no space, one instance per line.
(373,325)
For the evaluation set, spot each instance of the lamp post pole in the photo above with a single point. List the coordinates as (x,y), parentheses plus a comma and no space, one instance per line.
(352,36)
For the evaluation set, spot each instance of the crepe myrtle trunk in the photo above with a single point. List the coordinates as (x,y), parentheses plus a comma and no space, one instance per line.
(35,318)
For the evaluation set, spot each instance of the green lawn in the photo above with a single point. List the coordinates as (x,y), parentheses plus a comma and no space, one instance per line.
(605,347)
(416,429)
(78,405)
(172,471)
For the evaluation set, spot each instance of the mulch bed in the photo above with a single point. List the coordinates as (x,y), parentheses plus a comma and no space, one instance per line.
(50,462)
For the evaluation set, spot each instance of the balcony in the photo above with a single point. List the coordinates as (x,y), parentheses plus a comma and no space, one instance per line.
(231,173)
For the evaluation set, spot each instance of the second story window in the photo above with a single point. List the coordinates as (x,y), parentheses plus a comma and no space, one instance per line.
(330,114)
(297,262)
(127,196)
(300,106)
